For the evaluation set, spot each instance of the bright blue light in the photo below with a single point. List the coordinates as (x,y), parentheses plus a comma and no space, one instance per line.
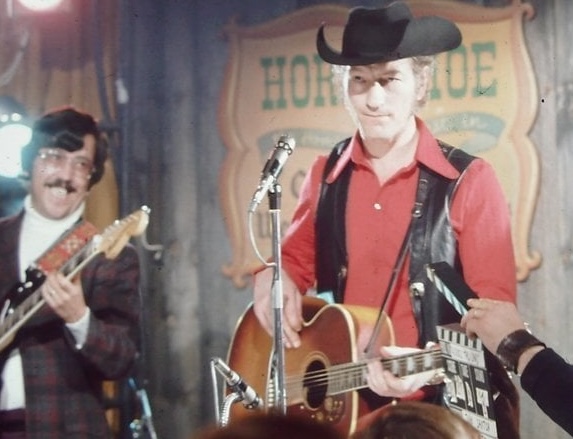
(14,135)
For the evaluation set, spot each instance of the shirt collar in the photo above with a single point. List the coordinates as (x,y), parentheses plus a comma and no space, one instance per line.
(428,153)
(34,215)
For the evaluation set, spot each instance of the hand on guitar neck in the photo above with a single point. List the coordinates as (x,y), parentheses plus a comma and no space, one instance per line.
(55,277)
(385,383)
(64,296)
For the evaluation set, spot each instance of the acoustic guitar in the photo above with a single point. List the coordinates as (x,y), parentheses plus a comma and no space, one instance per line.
(323,377)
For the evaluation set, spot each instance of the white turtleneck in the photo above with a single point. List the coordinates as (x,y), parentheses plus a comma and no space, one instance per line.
(37,235)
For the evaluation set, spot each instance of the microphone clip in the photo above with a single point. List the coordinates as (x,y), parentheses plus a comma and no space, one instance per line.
(272,169)
(241,390)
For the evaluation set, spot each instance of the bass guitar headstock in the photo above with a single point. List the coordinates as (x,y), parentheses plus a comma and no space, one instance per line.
(115,237)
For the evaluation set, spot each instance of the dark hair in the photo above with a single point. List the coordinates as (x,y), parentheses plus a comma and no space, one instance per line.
(272,425)
(416,419)
(65,128)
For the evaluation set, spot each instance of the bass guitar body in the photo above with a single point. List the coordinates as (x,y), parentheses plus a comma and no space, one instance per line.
(321,379)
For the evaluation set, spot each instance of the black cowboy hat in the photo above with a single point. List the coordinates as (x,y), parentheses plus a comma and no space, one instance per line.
(373,35)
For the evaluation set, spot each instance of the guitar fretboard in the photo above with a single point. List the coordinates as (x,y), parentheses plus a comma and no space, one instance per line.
(66,255)
(344,378)
(352,376)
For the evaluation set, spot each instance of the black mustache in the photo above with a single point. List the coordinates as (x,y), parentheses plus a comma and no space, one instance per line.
(64,184)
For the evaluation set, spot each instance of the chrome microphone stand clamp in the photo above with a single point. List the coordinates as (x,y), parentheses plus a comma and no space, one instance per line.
(230,399)
(242,392)
(278,360)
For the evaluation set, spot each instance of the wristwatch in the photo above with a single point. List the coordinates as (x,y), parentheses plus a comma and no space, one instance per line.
(513,345)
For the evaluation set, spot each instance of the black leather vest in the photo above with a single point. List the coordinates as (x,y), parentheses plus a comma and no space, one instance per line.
(430,239)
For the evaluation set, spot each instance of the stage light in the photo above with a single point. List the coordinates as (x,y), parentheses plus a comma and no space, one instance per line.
(41,5)
(29,8)
(15,133)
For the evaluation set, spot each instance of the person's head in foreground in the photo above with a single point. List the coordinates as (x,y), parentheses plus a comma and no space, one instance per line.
(415,420)
(272,426)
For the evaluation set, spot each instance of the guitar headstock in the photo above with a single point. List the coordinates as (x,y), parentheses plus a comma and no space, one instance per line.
(115,237)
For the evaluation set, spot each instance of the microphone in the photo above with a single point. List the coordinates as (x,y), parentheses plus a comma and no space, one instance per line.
(278,157)
(250,398)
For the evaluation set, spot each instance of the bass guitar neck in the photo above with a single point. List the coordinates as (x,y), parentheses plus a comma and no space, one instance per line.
(69,255)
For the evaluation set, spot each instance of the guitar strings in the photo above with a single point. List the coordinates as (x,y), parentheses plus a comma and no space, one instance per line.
(338,378)
(418,357)
(29,303)
(68,266)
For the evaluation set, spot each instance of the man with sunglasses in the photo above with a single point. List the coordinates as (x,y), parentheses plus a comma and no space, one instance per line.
(86,333)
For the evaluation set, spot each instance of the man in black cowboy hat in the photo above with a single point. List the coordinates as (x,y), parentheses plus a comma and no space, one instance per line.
(391,199)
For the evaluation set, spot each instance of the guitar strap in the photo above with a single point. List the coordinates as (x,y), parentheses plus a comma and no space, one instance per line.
(432,194)
(52,259)
(66,246)
(421,195)
(432,197)
(58,255)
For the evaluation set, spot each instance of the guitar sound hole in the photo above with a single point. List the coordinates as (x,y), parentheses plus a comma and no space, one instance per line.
(315,384)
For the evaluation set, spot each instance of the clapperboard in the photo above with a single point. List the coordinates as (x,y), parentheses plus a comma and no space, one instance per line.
(468,390)
(467,385)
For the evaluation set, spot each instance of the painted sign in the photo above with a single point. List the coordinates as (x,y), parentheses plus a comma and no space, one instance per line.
(483,100)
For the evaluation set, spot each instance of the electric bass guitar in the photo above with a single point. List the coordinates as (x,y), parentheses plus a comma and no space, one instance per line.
(323,376)
(69,255)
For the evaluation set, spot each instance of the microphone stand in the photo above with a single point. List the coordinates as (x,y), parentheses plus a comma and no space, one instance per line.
(222,412)
(241,392)
(223,418)
(145,422)
(278,362)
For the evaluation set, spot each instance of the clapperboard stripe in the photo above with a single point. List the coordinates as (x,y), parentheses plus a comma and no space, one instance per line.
(451,285)
(441,333)
(442,288)
(457,336)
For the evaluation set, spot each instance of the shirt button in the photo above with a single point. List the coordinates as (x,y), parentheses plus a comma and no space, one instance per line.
(377,206)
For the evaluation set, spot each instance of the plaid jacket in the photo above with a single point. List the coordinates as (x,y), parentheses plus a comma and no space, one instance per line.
(63,385)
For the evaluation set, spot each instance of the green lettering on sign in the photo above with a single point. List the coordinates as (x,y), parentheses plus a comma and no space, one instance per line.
(272,84)
(481,52)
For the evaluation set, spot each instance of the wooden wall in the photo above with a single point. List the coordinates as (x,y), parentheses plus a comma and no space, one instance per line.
(545,298)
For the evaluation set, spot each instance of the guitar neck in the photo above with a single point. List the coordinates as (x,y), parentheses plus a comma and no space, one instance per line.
(15,318)
(347,377)
(69,256)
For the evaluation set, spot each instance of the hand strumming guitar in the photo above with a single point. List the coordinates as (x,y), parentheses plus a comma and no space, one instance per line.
(64,296)
(292,305)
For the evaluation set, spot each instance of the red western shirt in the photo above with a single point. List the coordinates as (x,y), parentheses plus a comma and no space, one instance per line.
(377,217)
